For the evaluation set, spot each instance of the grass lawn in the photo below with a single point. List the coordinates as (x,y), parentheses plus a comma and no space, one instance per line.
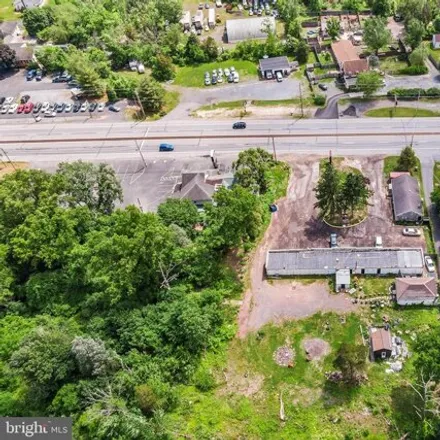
(435,53)
(392,65)
(390,164)
(401,112)
(229,105)
(374,286)
(194,76)
(7,12)
(246,400)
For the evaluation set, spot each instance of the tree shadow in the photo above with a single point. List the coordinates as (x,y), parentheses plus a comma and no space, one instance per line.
(403,402)
(338,394)
(316,231)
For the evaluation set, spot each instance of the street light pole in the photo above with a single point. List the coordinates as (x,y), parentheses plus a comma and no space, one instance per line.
(139,147)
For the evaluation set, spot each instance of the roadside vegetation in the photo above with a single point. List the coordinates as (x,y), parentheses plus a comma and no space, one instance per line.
(401,112)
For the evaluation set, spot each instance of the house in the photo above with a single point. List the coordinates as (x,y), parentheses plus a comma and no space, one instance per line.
(342,280)
(361,261)
(347,58)
(211,18)
(381,344)
(407,204)
(411,291)
(436,41)
(249,28)
(21,5)
(185,21)
(23,53)
(270,66)
(9,30)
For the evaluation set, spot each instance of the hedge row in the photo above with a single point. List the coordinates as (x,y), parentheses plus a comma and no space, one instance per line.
(410,94)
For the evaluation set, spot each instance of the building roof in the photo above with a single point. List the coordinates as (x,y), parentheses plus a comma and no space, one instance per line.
(343,277)
(275,63)
(436,38)
(195,188)
(381,340)
(353,67)
(27,4)
(22,51)
(395,174)
(8,28)
(415,288)
(406,195)
(340,258)
(344,51)
(249,28)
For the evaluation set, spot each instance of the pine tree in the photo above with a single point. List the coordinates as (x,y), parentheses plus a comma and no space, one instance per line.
(327,191)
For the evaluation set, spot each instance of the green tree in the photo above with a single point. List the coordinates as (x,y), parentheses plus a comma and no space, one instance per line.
(182,213)
(352,5)
(53,58)
(436,24)
(415,30)
(382,8)
(151,95)
(7,278)
(67,401)
(423,10)
(315,5)
(369,83)
(163,68)
(91,185)
(376,33)
(210,48)
(250,169)
(154,395)
(327,191)
(302,51)
(407,159)
(427,348)
(8,57)
(418,56)
(333,27)
(194,52)
(354,191)
(352,361)
(37,19)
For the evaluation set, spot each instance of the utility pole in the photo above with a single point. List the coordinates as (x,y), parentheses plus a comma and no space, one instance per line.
(139,148)
(139,103)
(301,100)
(9,160)
(274,149)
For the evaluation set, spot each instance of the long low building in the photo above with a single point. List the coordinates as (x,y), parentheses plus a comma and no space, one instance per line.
(362,261)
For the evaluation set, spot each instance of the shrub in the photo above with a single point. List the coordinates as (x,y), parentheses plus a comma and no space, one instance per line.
(414,70)
(319,100)
(204,380)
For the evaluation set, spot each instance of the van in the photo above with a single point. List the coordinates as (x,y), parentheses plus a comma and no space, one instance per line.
(378,242)
(166,147)
(279,76)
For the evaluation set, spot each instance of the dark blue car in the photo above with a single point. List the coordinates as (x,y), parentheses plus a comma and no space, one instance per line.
(166,147)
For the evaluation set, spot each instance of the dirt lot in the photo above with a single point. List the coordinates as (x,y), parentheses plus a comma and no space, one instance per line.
(296,225)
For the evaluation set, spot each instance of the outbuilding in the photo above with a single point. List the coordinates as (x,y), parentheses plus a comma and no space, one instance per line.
(211,18)
(411,291)
(407,204)
(381,344)
(436,41)
(270,66)
(249,28)
(342,280)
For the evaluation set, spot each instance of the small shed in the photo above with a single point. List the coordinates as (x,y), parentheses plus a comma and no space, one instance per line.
(436,41)
(342,279)
(380,343)
(407,204)
(211,18)
(273,65)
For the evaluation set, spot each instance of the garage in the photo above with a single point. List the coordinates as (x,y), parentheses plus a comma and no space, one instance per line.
(270,66)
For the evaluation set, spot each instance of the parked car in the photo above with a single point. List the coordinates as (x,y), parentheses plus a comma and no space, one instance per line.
(378,242)
(200,5)
(24,99)
(68,107)
(37,107)
(30,75)
(237,125)
(232,69)
(60,107)
(430,267)
(2,100)
(236,77)
(101,107)
(412,232)
(207,82)
(279,76)
(45,106)
(12,108)
(49,114)
(84,107)
(114,108)
(220,79)
(206,5)
(92,107)
(39,75)
(220,72)
(166,147)
(269,75)
(9,100)
(76,107)
(20,108)
(28,107)
(207,75)
(333,240)
(323,86)
(227,72)
(214,80)
(230,78)
(5,108)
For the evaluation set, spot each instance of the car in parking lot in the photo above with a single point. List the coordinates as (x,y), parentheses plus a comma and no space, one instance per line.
(84,107)
(412,232)
(2,100)
(279,76)
(101,107)
(60,107)
(93,106)
(5,108)
(214,80)
(430,267)
(45,106)
(333,240)
(12,108)
(114,108)
(236,77)
(9,100)
(20,108)
(28,107)
(207,82)
(50,114)
(68,107)
(37,107)
(76,107)
(323,86)
(237,125)
(39,75)
(30,74)
(166,147)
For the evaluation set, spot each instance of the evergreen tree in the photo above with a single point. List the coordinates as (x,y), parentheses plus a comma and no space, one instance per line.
(327,191)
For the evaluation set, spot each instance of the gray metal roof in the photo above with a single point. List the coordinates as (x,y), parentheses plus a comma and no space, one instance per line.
(275,63)
(249,28)
(406,195)
(339,258)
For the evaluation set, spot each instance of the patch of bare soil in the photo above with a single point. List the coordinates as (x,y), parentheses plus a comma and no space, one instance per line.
(244,384)
(284,356)
(253,111)
(304,396)
(316,349)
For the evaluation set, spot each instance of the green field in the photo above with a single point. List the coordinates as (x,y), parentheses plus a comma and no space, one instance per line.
(7,12)
(401,112)
(194,76)
(392,65)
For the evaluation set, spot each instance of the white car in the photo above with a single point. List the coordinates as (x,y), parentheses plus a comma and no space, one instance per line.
(68,108)
(227,72)
(232,69)
(412,232)
(12,108)
(101,107)
(9,100)
(219,79)
(236,77)
(5,109)
(44,107)
(84,107)
(429,264)
(49,114)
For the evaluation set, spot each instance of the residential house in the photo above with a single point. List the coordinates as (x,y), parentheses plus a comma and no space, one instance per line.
(381,345)
(21,5)
(407,204)
(411,291)
(9,30)
(436,41)
(23,53)
(347,58)
(249,28)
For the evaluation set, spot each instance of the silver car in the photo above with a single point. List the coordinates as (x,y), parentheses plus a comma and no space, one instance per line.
(412,232)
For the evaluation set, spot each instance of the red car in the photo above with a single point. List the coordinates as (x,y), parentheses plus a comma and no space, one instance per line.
(20,108)
(28,107)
